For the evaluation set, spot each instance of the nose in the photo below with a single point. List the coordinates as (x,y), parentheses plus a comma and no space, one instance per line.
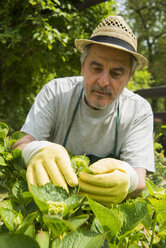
(104,79)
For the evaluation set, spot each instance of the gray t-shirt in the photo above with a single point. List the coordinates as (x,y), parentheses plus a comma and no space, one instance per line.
(93,131)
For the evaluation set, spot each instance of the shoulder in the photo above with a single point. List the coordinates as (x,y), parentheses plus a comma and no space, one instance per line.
(61,90)
(133,107)
(65,84)
(132,100)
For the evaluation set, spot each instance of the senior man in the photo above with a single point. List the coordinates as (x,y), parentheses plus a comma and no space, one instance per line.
(93,114)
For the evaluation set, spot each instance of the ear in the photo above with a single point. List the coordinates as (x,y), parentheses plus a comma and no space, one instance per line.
(130,78)
(82,69)
(132,74)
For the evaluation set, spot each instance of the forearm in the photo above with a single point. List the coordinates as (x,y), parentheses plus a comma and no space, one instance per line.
(23,142)
(141,173)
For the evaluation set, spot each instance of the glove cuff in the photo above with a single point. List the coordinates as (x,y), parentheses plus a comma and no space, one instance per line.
(133,177)
(32,148)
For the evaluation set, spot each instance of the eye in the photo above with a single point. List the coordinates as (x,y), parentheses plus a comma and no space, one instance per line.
(96,69)
(116,74)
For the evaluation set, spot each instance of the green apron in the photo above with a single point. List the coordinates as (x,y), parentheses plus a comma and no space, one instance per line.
(92,157)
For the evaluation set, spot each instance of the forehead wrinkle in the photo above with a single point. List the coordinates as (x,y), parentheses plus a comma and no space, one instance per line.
(101,60)
(115,68)
(111,55)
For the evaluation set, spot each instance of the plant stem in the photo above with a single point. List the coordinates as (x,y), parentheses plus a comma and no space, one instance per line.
(153,228)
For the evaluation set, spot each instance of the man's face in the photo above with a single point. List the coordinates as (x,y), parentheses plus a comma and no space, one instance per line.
(106,72)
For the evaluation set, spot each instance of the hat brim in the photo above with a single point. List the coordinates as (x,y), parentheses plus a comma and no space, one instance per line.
(82,43)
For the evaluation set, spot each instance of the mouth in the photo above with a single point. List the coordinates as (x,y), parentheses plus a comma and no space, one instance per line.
(102,93)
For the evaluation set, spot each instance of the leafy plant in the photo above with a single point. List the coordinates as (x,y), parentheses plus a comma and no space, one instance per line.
(11,163)
(49,217)
(159,177)
(36,46)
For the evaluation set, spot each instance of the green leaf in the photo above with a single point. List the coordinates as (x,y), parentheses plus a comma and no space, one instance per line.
(23,174)
(18,188)
(27,197)
(7,156)
(109,219)
(134,246)
(16,135)
(2,161)
(41,203)
(79,163)
(73,190)
(134,211)
(18,162)
(147,221)
(17,241)
(84,239)
(55,224)
(2,146)
(161,218)
(10,204)
(30,231)
(4,129)
(80,160)
(27,222)
(3,194)
(136,237)
(96,227)
(17,153)
(43,239)
(154,190)
(48,192)
(56,243)
(71,203)
(11,218)
(158,204)
(59,226)
(76,222)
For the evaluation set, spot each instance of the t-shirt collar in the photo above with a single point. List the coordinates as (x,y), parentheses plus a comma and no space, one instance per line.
(99,112)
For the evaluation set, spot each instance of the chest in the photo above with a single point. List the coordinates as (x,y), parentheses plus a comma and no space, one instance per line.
(86,133)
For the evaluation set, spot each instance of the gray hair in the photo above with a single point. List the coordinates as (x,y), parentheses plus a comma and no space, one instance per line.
(85,53)
(134,62)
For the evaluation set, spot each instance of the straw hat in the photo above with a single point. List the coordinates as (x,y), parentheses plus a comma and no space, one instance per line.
(114,32)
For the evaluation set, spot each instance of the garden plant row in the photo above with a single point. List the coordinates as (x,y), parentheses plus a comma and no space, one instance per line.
(49,217)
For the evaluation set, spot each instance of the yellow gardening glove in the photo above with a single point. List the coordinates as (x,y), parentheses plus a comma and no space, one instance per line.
(110,182)
(48,162)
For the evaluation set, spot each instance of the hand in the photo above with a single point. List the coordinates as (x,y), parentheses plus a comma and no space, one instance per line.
(110,181)
(50,163)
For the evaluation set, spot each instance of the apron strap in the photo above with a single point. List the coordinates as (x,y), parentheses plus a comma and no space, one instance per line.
(116,132)
(113,153)
(73,117)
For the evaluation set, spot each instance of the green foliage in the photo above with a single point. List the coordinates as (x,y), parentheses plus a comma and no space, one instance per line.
(80,163)
(11,163)
(17,240)
(49,217)
(37,45)
(148,20)
(141,80)
(159,177)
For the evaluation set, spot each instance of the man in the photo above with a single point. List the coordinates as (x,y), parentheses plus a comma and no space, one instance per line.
(94,115)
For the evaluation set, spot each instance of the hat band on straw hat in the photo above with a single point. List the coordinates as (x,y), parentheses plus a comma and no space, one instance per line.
(114,32)
(113,40)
